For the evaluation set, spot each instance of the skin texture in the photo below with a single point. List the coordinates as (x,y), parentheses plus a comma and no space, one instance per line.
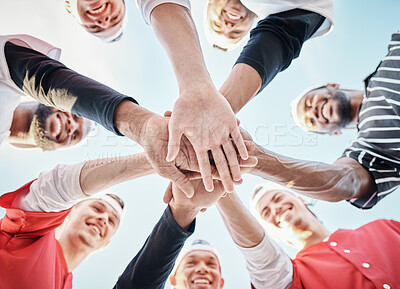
(102,18)
(319,110)
(228,21)
(290,216)
(198,266)
(88,228)
(207,127)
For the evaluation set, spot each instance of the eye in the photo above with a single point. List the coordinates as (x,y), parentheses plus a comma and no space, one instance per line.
(74,136)
(278,199)
(96,209)
(111,221)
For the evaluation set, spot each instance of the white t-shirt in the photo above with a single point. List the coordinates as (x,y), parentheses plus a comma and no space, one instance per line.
(55,190)
(268,265)
(10,94)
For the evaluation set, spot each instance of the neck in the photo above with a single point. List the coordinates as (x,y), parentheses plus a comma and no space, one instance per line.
(315,235)
(356,97)
(74,255)
(22,119)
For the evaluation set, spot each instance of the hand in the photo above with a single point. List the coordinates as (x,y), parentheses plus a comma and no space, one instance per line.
(201,199)
(208,122)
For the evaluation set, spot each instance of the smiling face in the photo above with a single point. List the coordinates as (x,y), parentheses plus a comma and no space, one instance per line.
(102,18)
(324,110)
(53,129)
(284,210)
(91,224)
(198,270)
(227,21)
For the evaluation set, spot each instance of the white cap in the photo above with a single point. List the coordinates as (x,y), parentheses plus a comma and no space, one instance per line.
(195,245)
(71,7)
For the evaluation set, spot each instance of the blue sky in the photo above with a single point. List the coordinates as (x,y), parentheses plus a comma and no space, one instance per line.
(138,66)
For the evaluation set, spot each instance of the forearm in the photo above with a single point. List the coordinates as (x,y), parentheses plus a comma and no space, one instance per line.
(98,175)
(243,83)
(150,268)
(314,179)
(244,229)
(176,31)
(53,84)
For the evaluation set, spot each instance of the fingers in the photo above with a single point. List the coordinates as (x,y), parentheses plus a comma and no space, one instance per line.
(174,141)
(205,170)
(223,169)
(180,180)
(231,156)
(249,163)
(238,141)
(168,194)
(167,113)
(250,145)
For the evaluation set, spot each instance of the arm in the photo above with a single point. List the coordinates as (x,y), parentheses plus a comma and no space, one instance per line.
(273,44)
(66,185)
(267,263)
(201,113)
(343,180)
(151,266)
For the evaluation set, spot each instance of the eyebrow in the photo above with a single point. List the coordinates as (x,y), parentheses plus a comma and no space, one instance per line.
(106,209)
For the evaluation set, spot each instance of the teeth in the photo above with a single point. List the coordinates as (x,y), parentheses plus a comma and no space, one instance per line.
(324,111)
(95,228)
(98,10)
(233,16)
(58,126)
(201,281)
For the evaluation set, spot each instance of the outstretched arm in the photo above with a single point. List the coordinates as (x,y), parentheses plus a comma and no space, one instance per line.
(201,113)
(273,44)
(65,185)
(266,262)
(343,180)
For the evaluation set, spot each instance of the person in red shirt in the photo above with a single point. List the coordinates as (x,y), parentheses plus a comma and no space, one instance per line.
(31,254)
(366,257)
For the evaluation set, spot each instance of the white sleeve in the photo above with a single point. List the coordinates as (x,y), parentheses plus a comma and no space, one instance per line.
(147,6)
(55,190)
(268,265)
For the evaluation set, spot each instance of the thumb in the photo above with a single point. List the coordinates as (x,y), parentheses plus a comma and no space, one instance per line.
(174,141)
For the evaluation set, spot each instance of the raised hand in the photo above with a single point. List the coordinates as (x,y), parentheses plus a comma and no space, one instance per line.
(208,122)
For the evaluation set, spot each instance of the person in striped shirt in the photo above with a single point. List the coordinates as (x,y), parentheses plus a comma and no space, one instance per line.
(375,113)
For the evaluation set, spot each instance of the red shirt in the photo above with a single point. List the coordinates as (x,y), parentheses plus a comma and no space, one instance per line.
(368,257)
(30,255)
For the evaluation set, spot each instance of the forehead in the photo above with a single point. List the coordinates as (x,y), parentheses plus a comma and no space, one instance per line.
(101,204)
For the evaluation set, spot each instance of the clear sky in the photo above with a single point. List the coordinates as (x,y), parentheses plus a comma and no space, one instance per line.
(138,66)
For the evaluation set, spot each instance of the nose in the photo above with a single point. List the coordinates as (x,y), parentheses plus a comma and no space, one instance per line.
(72,125)
(202,267)
(104,21)
(228,24)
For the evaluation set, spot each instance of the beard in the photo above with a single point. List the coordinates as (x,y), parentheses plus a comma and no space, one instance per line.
(38,128)
(344,107)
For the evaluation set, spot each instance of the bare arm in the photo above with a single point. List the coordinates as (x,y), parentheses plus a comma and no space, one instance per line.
(98,175)
(244,229)
(343,180)
(201,113)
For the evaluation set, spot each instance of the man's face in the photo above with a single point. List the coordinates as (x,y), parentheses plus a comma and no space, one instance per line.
(324,110)
(92,223)
(58,129)
(102,18)
(198,270)
(283,210)
(229,19)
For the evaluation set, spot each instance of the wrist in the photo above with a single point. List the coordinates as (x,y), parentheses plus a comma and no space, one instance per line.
(183,214)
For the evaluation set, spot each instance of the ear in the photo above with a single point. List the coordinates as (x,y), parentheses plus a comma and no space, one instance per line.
(172,280)
(333,86)
(222,283)
(336,132)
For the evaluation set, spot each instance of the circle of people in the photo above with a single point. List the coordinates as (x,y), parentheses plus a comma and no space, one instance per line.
(203,155)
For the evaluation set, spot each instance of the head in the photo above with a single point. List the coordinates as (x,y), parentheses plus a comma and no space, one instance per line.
(102,18)
(92,222)
(226,23)
(53,129)
(197,267)
(325,109)
(284,215)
